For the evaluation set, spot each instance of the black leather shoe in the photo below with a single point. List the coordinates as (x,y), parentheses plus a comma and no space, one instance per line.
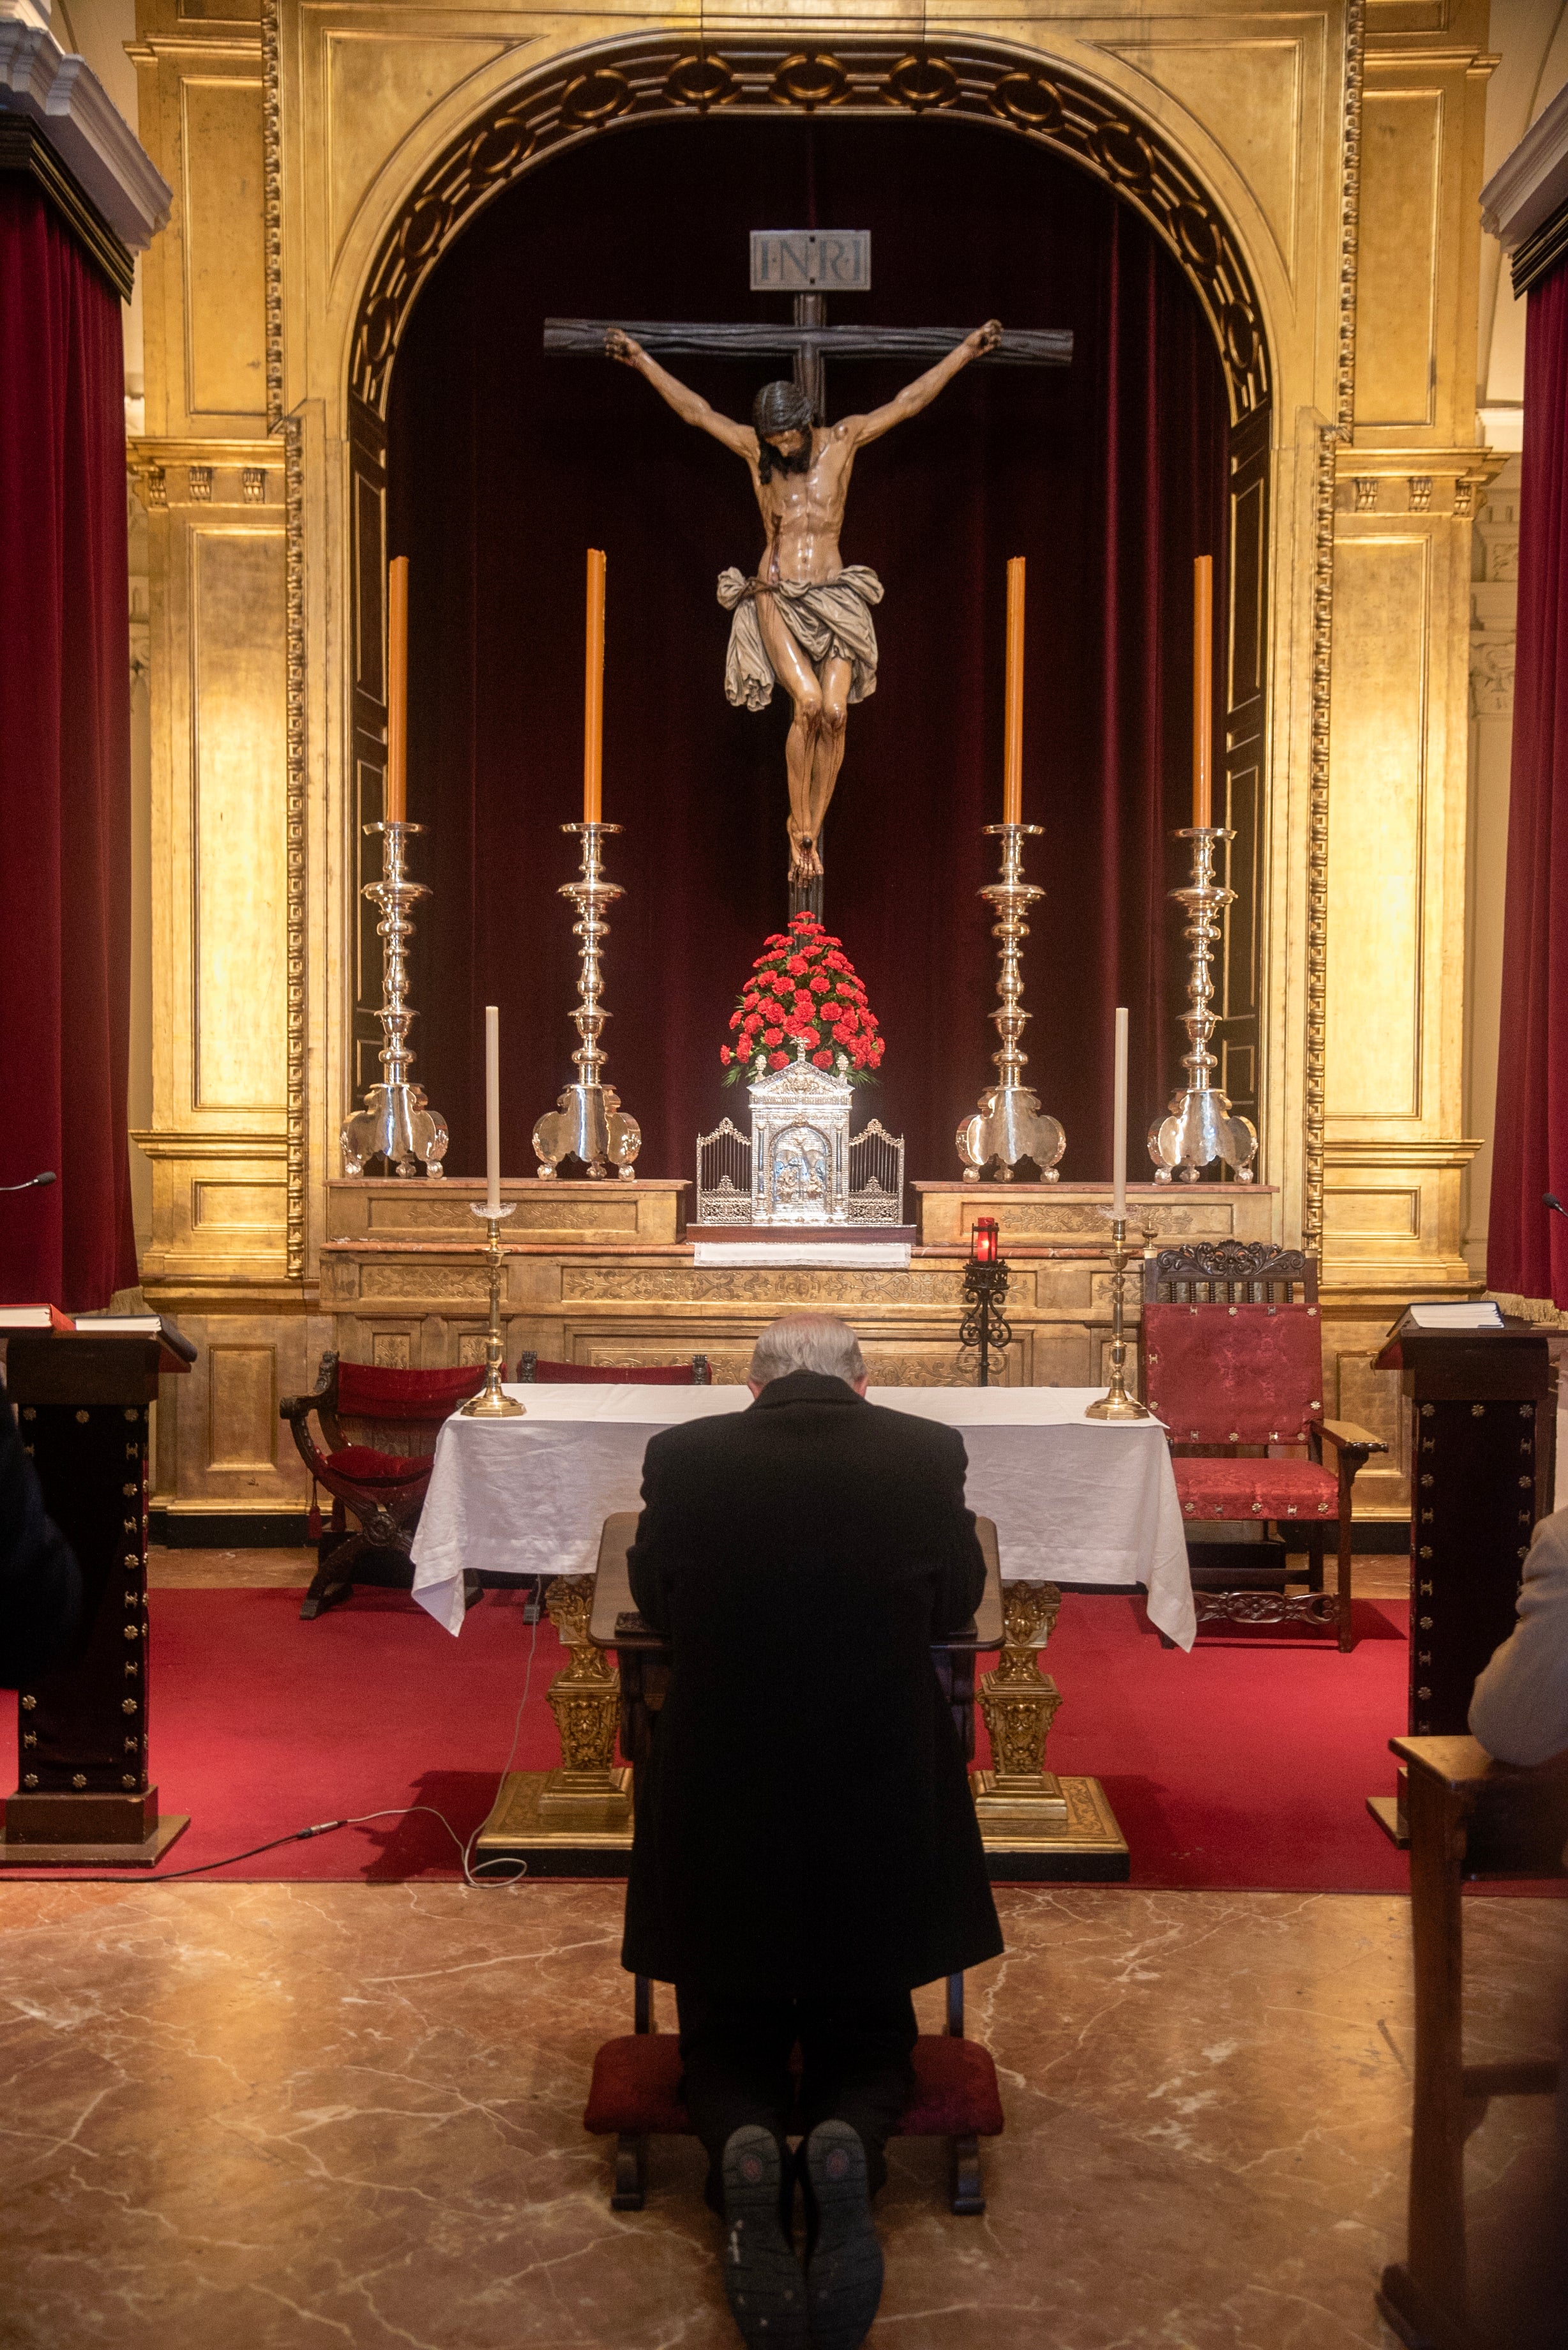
(761,2276)
(844,2267)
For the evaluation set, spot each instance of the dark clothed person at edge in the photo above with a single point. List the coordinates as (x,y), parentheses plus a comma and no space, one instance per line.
(807,1849)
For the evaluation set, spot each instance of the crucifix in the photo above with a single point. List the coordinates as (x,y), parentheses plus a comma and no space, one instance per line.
(803,622)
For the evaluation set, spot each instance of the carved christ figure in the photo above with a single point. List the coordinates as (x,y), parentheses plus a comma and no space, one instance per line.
(805,621)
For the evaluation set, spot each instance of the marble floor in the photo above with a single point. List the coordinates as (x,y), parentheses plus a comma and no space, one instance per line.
(246,2116)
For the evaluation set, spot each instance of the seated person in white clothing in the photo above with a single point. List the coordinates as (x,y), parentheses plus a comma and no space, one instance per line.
(1519,1709)
(1520,1714)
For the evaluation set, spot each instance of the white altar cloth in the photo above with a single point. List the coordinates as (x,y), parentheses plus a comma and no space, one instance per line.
(884,1256)
(1074,1499)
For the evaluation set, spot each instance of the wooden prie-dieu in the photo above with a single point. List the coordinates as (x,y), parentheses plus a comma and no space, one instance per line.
(1483,1426)
(84,1796)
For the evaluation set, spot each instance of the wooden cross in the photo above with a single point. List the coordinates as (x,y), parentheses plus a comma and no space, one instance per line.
(806,262)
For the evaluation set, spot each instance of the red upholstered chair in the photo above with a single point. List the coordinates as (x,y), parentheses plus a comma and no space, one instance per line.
(636,2095)
(697,1373)
(377,1471)
(1233,1366)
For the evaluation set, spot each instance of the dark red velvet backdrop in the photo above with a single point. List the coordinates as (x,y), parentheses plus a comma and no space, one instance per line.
(64,775)
(505,466)
(1527,1246)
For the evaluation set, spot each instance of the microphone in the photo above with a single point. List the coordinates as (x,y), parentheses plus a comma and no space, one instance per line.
(33,1183)
(1550,1199)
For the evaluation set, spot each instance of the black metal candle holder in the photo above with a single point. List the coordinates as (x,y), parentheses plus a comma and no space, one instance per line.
(984,1326)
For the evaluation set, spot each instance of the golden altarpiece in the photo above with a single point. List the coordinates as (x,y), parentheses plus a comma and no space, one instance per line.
(1315,172)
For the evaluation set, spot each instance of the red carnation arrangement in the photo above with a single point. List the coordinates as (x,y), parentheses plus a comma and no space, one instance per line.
(803,988)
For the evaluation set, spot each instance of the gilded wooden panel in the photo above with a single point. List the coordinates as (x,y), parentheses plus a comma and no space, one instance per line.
(242,1405)
(237,874)
(410,1278)
(1397,277)
(774,1285)
(1378,760)
(225,262)
(381,84)
(225,1206)
(1250,96)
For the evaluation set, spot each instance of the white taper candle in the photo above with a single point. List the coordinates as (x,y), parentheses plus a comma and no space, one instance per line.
(491,1110)
(1119,1138)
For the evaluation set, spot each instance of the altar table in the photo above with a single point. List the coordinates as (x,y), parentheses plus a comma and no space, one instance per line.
(1074,1500)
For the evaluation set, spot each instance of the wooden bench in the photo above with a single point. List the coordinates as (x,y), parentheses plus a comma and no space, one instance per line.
(1468,1816)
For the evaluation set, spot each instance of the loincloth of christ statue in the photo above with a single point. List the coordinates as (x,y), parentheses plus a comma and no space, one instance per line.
(803,622)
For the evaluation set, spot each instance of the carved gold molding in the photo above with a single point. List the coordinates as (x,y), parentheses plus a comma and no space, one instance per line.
(295,838)
(579,98)
(272,209)
(224,473)
(1324,487)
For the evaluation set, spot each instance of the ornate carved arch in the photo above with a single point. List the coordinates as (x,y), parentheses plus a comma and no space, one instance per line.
(626,82)
(621,83)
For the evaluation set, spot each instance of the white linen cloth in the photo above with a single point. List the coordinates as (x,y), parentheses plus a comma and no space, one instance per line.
(1074,1499)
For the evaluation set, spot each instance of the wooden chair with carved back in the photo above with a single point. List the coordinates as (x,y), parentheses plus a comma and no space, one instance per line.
(1232,1348)
(376,1470)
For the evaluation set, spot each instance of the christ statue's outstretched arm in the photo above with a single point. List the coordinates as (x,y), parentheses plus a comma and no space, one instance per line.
(689,405)
(803,622)
(924,388)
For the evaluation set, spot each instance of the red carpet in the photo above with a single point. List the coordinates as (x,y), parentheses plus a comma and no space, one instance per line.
(1244,1765)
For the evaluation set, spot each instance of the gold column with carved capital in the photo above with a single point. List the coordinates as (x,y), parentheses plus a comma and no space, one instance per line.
(1019,1703)
(589,1789)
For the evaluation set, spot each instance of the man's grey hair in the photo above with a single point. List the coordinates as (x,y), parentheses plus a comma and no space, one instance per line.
(807,1342)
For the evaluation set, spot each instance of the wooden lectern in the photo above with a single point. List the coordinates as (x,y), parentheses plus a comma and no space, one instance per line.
(1482,1459)
(84,1798)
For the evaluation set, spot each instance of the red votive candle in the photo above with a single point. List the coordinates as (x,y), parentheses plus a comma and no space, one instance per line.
(983,1247)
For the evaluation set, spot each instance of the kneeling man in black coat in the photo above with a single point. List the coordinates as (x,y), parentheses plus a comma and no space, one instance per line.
(807,1849)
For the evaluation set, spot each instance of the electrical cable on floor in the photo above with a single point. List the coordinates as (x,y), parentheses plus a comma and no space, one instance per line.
(360,1819)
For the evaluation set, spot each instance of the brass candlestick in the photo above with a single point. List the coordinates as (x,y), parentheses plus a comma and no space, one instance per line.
(588,1122)
(397,1123)
(490,1403)
(1201,1127)
(1116,1403)
(1010,1124)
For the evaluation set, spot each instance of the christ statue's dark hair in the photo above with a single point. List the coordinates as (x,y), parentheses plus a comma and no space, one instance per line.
(780,408)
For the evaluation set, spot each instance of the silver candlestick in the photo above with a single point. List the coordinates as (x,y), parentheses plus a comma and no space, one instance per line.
(491,1402)
(1201,1127)
(588,1122)
(1010,1124)
(397,1123)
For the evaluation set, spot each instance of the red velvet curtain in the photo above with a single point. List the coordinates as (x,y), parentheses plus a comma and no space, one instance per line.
(1527,1246)
(505,466)
(65,773)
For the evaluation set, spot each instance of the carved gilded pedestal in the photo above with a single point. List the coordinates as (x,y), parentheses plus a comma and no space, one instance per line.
(1034,1824)
(573,1821)
(589,1790)
(1019,1704)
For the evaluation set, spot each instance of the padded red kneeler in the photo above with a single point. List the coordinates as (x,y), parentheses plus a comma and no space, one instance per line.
(636,2090)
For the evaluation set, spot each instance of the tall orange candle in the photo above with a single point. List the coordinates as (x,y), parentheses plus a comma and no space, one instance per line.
(396,801)
(594,693)
(1202,688)
(1012,753)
